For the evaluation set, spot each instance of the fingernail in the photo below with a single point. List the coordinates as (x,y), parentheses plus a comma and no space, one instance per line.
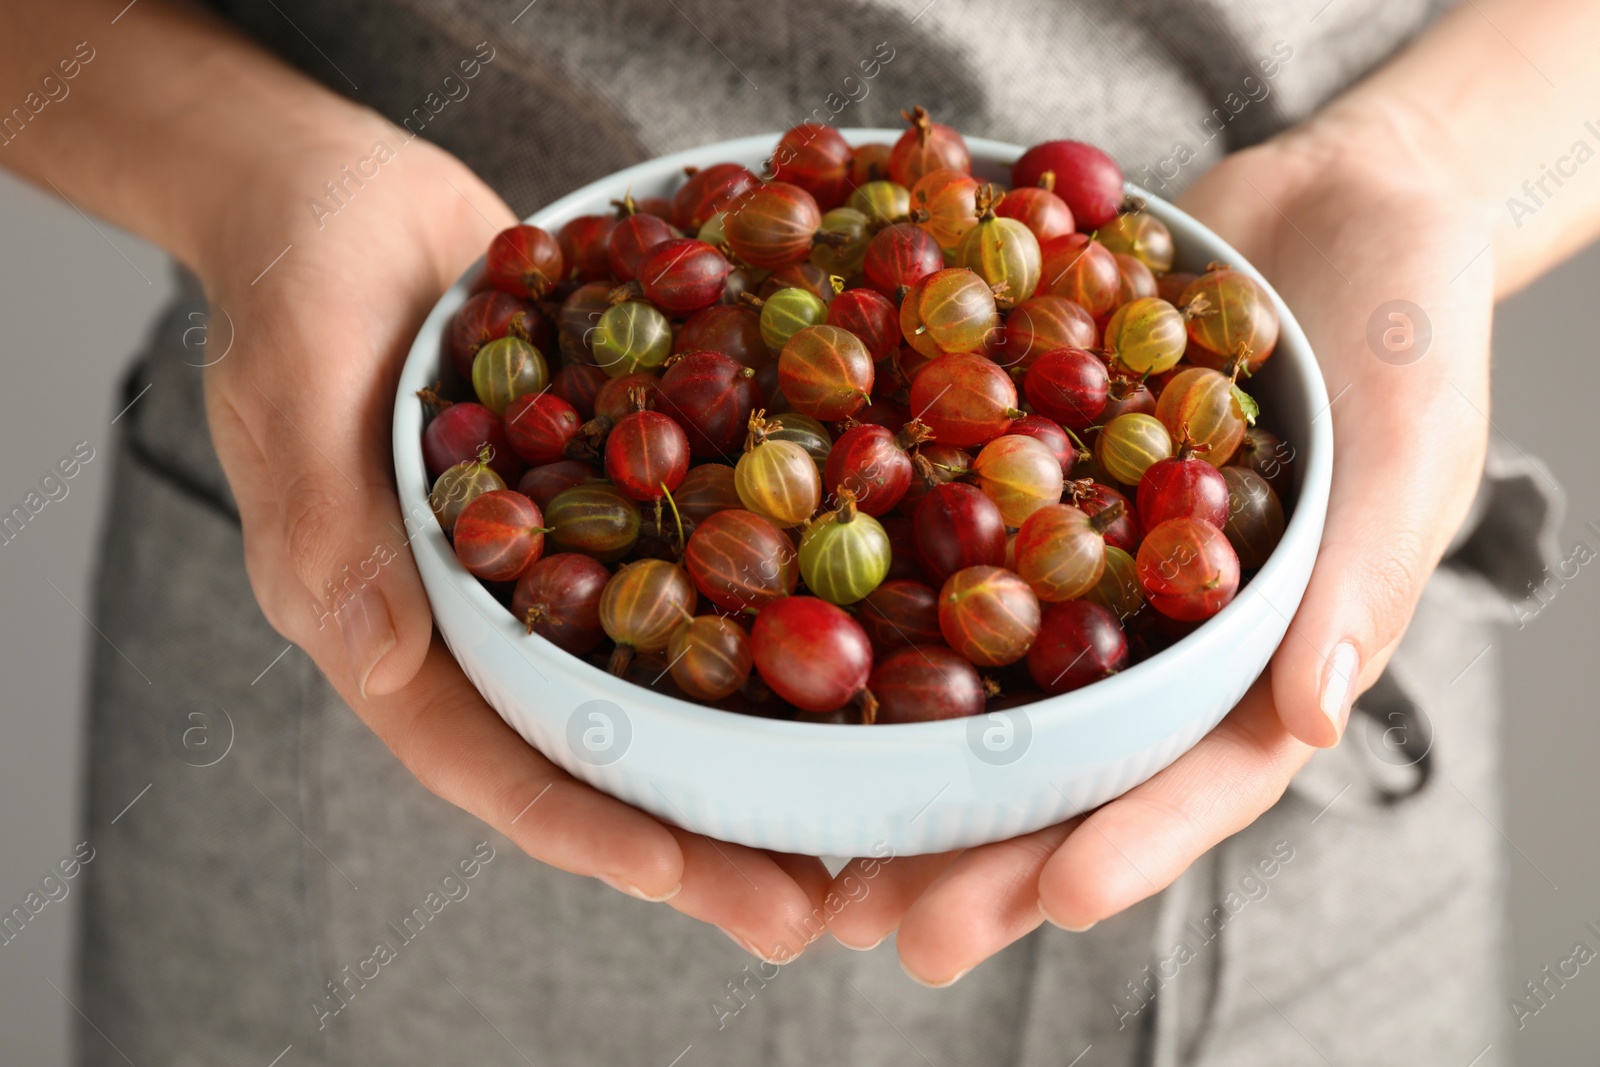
(860,948)
(743,942)
(368,633)
(1061,925)
(634,891)
(946,984)
(1342,669)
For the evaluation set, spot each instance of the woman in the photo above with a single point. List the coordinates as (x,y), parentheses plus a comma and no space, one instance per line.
(301,896)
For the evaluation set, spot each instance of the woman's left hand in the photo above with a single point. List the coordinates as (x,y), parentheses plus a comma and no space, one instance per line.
(1343,230)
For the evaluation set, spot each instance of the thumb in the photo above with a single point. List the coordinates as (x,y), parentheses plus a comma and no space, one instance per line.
(1410,444)
(344,543)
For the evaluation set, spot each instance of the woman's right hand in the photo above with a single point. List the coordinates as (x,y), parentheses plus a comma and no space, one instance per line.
(299,410)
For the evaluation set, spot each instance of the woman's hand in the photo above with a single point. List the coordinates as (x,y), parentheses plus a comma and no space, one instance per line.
(1341,239)
(300,413)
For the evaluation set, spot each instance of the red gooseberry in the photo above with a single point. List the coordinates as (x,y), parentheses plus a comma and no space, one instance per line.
(813,654)
(966,399)
(925,685)
(708,191)
(499,534)
(956,526)
(540,426)
(711,397)
(1182,486)
(1070,386)
(461,431)
(926,146)
(817,159)
(772,225)
(559,599)
(899,613)
(741,561)
(585,247)
(1188,569)
(1079,642)
(988,615)
(647,455)
(1081,174)
(523,260)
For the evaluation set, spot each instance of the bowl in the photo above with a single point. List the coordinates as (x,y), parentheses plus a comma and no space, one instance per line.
(837,790)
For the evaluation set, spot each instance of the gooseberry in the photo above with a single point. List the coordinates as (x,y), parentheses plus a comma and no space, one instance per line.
(817,159)
(1147,335)
(1061,551)
(1255,516)
(711,397)
(635,234)
(1129,443)
(647,454)
(459,485)
(899,256)
(459,432)
(709,191)
(1081,174)
(956,526)
(506,369)
(1068,385)
(1230,314)
(948,311)
(641,606)
(629,337)
(524,261)
(772,225)
(499,535)
(874,464)
(1019,474)
(733,331)
(925,685)
(585,247)
(989,615)
(1079,642)
(1082,270)
(1188,569)
(679,276)
(813,655)
(899,613)
(1001,251)
(595,519)
(1040,324)
(1182,486)
(1205,405)
(741,561)
(965,399)
(777,479)
(709,657)
(925,147)
(559,599)
(825,372)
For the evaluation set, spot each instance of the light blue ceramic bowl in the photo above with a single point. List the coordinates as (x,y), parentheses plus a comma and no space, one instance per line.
(851,790)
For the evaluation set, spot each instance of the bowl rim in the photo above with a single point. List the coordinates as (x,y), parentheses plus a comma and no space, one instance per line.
(419,369)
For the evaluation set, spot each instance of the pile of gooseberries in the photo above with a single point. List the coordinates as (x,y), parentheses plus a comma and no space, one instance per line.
(867,439)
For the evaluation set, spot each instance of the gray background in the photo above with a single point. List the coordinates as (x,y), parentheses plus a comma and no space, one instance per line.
(78,296)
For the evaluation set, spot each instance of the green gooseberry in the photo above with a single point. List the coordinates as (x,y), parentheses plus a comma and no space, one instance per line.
(845,554)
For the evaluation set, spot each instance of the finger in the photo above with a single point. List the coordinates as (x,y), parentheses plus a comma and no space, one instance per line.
(808,873)
(1138,844)
(749,896)
(1409,454)
(891,887)
(312,388)
(980,903)
(457,747)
